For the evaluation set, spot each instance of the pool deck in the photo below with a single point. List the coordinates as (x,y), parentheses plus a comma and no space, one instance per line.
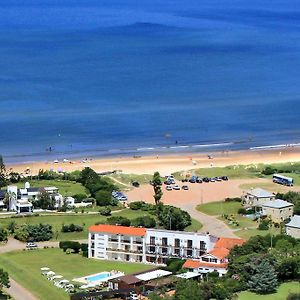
(84,279)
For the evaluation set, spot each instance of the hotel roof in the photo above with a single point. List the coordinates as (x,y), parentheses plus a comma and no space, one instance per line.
(153,275)
(277,203)
(295,222)
(219,253)
(115,229)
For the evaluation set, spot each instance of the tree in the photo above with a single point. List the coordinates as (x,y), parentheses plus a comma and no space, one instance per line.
(265,280)
(3,235)
(3,179)
(156,181)
(44,200)
(103,198)
(11,227)
(118,220)
(145,221)
(4,279)
(105,211)
(289,268)
(188,289)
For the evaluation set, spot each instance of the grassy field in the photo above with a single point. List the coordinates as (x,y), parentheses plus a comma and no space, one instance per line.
(219,208)
(195,226)
(24,267)
(127,179)
(282,292)
(66,188)
(84,220)
(247,233)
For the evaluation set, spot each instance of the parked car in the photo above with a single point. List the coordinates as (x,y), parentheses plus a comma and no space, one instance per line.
(31,245)
(218,178)
(184,180)
(225,178)
(212,179)
(205,179)
(193,179)
(176,187)
(199,180)
(168,188)
(185,187)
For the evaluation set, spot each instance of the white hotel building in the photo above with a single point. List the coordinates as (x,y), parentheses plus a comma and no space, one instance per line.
(145,245)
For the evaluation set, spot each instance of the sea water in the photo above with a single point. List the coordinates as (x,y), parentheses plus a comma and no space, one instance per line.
(127,77)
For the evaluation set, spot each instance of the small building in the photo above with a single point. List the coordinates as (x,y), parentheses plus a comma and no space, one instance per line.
(216,260)
(278,210)
(257,197)
(293,227)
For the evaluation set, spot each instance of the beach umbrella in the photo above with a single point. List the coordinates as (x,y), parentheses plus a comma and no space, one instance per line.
(83,287)
(56,277)
(45,269)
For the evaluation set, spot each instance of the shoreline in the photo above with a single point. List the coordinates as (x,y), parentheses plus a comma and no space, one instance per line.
(167,163)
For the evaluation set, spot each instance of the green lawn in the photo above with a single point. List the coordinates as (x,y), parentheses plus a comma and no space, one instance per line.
(282,292)
(219,208)
(58,220)
(24,267)
(66,188)
(247,233)
(195,226)
(127,179)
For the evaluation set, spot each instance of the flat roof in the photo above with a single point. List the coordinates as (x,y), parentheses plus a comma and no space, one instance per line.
(188,275)
(295,222)
(260,193)
(277,203)
(153,275)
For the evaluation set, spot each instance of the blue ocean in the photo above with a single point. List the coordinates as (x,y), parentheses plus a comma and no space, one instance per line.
(112,77)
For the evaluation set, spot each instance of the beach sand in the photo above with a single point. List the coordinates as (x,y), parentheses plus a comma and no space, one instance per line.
(167,164)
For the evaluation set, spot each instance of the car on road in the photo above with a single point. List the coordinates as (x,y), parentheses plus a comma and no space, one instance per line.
(225,178)
(185,187)
(169,188)
(176,187)
(218,179)
(135,184)
(31,245)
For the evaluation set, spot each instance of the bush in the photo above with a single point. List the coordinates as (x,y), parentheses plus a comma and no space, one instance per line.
(118,220)
(264,225)
(85,250)
(293,296)
(104,198)
(242,211)
(71,228)
(136,205)
(174,265)
(235,199)
(79,197)
(268,170)
(145,221)
(75,246)
(37,233)
(105,211)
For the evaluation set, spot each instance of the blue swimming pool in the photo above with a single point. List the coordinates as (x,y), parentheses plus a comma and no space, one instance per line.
(98,277)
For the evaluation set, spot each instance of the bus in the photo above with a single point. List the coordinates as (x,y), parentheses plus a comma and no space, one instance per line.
(277,178)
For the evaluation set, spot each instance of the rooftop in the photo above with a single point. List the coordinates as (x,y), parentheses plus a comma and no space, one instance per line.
(228,243)
(129,279)
(115,229)
(153,275)
(194,264)
(295,222)
(219,253)
(260,193)
(277,203)
(188,275)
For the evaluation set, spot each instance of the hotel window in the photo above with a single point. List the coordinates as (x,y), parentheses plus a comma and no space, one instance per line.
(92,236)
(177,243)
(164,241)
(152,240)
(190,244)
(202,245)
(214,260)
(205,259)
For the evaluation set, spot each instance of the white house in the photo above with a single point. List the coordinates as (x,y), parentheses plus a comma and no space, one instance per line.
(155,246)
(293,227)
(257,197)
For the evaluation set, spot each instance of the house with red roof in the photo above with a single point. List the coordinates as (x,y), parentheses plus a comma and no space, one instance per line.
(216,259)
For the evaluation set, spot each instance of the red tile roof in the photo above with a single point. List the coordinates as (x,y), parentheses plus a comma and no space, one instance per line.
(219,253)
(228,243)
(115,229)
(194,264)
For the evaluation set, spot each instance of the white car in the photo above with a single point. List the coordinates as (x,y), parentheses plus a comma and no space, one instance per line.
(176,187)
(168,188)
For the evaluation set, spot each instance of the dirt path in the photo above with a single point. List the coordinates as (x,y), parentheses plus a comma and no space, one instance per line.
(18,292)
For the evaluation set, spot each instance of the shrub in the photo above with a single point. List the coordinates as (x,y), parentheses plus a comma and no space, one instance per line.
(79,197)
(37,233)
(293,296)
(174,265)
(264,225)
(103,198)
(268,170)
(136,205)
(235,199)
(145,221)
(71,228)
(75,246)
(118,220)
(85,250)
(242,211)
(105,211)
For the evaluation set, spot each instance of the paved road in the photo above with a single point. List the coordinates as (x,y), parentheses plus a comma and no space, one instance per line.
(210,224)
(18,292)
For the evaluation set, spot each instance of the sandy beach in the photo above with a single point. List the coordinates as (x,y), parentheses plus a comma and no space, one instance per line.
(166,164)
